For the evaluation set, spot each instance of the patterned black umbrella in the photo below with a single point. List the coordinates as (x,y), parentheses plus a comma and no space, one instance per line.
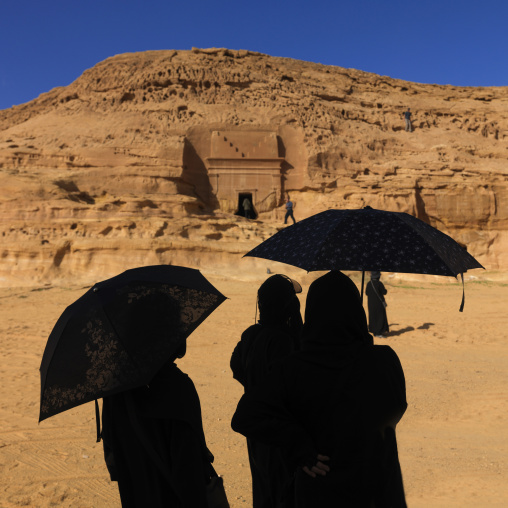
(367,240)
(121,332)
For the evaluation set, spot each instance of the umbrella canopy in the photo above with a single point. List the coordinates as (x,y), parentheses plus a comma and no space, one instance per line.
(120,333)
(367,240)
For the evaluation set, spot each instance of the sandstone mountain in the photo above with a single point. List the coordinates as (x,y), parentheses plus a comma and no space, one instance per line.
(146,157)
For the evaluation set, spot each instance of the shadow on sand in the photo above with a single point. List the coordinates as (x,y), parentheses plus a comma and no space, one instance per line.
(395,333)
(425,326)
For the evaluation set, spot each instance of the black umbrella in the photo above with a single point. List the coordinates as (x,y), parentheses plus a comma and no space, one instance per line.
(120,333)
(367,240)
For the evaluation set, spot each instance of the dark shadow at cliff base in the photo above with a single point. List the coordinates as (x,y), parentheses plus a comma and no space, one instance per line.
(421,212)
(195,176)
(285,168)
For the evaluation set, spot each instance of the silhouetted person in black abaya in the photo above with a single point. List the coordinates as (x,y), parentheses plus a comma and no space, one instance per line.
(376,291)
(154,445)
(261,346)
(333,406)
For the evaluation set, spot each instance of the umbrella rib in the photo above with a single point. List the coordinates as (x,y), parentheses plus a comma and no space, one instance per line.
(325,240)
(426,241)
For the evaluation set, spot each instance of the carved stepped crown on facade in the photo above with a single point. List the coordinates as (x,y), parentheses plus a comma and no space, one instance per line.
(245,163)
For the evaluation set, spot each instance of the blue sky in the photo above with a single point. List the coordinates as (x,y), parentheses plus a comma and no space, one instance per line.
(44,44)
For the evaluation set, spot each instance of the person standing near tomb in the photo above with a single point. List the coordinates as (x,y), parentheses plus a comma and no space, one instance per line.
(160,421)
(378,320)
(289,211)
(247,208)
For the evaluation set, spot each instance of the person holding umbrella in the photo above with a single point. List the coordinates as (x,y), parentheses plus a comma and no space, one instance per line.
(333,406)
(261,346)
(119,342)
(154,444)
(378,320)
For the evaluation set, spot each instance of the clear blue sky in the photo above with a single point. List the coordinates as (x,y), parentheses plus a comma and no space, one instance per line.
(49,43)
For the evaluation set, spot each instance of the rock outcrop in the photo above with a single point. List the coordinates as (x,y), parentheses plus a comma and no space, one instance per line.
(112,171)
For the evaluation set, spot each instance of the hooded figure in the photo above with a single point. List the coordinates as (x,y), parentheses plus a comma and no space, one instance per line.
(154,445)
(273,338)
(376,291)
(336,402)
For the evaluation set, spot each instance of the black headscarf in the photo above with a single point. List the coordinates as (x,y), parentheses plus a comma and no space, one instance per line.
(375,275)
(278,303)
(334,312)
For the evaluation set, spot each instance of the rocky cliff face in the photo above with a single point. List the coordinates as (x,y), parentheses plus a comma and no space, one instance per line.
(111,171)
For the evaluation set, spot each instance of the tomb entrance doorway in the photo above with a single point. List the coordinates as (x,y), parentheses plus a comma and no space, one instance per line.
(246,206)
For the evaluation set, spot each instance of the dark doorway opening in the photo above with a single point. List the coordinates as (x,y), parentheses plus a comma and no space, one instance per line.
(246,206)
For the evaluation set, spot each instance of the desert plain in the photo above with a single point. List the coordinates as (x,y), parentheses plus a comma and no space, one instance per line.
(453,443)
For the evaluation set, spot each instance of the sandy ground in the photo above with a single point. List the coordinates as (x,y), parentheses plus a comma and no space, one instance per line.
(453,440)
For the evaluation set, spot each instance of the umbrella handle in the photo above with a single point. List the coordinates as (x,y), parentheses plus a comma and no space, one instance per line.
(463,294)
(98,421)
(363,281)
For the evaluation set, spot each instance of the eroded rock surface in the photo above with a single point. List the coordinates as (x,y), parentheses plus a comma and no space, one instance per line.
(112,171)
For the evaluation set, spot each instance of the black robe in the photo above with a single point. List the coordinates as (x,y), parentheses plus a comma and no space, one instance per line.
(343,404)
(378,320)
(166,418)
(340,396)
(259,348)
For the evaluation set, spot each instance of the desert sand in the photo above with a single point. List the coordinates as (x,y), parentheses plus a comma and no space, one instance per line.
(453,442)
